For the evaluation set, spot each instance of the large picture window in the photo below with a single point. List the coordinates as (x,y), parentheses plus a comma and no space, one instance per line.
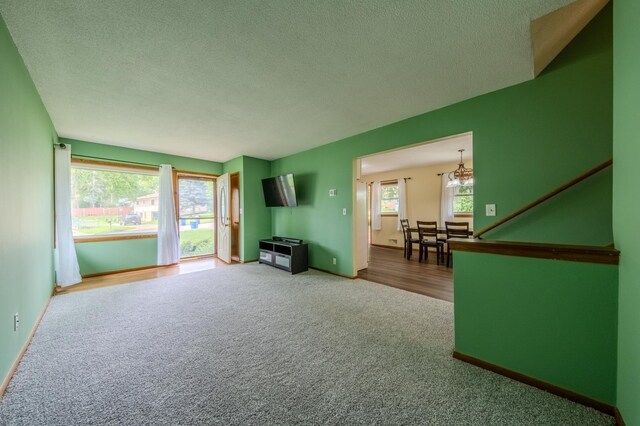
(113,201)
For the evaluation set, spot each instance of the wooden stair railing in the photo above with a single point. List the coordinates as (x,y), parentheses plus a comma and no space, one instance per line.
(574,253)
(544,198)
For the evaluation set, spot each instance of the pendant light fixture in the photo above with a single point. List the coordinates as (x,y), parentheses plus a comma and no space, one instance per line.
(460,176)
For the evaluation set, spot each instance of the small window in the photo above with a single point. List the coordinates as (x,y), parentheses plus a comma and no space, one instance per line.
(389,198)
(463,200)
(108,200)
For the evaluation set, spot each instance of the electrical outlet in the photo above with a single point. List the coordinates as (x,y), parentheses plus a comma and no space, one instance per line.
(491,209)
(344,211)
(16,322)
(335,261)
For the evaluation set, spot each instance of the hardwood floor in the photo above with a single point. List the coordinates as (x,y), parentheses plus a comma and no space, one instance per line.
(183,267)
(388,266)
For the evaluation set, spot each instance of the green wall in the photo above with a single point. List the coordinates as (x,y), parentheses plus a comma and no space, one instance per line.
(256,217)
(626,152)
(107,256)
(552,320)
(255,220)
(118,255)
(117,153)
(26,224)
(528,139)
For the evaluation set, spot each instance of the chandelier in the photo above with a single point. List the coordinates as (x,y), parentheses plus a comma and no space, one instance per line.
(460,176)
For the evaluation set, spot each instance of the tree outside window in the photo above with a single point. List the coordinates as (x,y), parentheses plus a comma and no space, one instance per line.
(463,200)
(389,198)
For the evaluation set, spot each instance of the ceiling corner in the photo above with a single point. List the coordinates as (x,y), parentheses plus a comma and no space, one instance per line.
(551,33)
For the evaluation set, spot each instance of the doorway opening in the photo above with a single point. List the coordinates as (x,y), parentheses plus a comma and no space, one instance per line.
(411,183)
(196,215)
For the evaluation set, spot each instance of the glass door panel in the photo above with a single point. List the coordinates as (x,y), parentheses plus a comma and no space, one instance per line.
(196,216)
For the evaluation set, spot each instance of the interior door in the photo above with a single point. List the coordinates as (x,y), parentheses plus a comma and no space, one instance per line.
(362,228)
(224,219)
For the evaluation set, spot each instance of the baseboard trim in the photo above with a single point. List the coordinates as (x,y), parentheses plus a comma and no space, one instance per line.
(389,247)
(23,349)
(619,419)
(334,273)
(120,271)
(540,384)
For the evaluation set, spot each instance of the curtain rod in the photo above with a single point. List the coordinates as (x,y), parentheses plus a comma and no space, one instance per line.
(115,161)
(389,180)
(109,159)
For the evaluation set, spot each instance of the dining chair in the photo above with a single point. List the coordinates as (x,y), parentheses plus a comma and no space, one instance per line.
(455,230)
(409,239)
(428,235)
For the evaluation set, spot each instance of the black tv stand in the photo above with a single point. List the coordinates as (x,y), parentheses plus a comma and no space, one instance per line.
(290,254)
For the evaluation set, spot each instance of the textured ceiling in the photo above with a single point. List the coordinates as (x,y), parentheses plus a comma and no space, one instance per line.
(218,79)
(426,154)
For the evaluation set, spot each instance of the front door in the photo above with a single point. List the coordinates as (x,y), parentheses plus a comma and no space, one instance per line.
(224,219)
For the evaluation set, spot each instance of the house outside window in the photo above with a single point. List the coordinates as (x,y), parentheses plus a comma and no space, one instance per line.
(389,198)
(108,201)
(463,201)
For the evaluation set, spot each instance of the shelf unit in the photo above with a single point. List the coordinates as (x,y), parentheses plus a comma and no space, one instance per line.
(288,254)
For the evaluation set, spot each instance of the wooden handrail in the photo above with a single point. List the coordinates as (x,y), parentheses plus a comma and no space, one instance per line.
(575,253)
(544,198)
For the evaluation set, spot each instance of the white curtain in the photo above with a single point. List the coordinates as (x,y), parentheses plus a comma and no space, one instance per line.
(402,201)
(168,237)
(376,221)
(446,200)
(67,269)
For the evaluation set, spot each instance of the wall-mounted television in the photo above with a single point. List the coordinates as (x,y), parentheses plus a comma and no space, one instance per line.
(280,191)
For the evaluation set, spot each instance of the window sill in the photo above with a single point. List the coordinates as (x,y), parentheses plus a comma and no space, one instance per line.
(463,215)
(113,238)
(389,214)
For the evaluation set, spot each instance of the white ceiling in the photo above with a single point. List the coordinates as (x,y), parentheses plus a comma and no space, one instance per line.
(218,79)
(426,154)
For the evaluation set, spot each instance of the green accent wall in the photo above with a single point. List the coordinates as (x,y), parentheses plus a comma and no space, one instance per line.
(255,220)
(118,255)
(626,152)
(108,256)
(26,223)
(118,153)
(257,217)
(528,139)
(552,320)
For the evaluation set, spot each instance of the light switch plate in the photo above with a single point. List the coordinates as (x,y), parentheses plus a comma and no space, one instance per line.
(491,209)
(333,192)
(344,211)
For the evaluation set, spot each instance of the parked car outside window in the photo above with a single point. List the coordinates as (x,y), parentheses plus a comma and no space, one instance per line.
(131,219)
